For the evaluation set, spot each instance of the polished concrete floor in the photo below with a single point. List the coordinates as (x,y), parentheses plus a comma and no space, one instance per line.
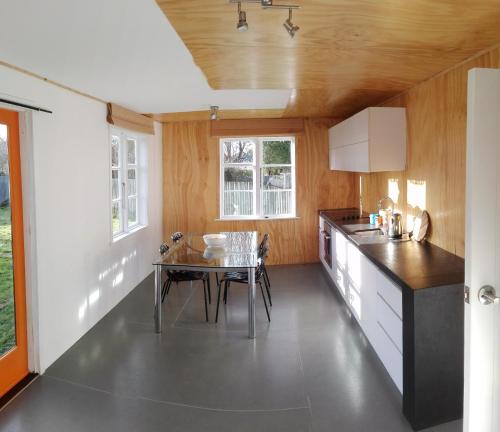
(311,369)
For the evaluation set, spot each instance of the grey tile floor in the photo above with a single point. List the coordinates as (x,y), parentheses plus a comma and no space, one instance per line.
(311,369)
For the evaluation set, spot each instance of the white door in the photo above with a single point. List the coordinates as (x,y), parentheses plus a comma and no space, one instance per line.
(482,244)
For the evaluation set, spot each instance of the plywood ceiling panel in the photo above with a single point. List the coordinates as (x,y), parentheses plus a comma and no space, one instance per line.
(348,54)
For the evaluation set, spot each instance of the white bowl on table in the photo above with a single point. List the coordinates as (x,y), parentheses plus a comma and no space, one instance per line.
(215,240)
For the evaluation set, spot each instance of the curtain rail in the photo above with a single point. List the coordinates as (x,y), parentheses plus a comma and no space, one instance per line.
(19,104)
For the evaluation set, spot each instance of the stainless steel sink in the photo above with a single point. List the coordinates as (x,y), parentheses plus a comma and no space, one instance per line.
(369,232)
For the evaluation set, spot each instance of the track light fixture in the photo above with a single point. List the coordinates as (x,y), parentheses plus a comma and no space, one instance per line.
(266,4)
(289,26)
(242,20)
(214,112)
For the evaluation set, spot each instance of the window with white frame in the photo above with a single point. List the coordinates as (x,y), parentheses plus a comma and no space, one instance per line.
(125,176)
(257,178)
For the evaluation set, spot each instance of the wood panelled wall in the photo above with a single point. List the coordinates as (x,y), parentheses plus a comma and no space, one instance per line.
(437,121)
(191,189)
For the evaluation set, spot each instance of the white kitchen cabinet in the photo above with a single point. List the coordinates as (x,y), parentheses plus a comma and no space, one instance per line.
(390,356)
(391,294)
(373,140)
(375,302)
(341,250)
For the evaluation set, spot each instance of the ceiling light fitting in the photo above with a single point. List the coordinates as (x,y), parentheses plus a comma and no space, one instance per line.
(242,24)
(289,26)
(214,112)
(242,20)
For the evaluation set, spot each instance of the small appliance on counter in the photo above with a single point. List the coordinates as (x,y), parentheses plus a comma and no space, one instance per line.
(395,226)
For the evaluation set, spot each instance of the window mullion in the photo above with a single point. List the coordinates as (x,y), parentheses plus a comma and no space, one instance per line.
(124,182)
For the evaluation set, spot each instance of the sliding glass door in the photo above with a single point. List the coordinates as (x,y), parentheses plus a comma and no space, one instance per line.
(13,344)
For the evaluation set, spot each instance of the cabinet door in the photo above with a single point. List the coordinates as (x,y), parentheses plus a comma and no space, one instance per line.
(341,282)
(333,252)
(350,131)
(390,356)
(368,291)
(354,265)
(354,157)
(353,298)
(341,250)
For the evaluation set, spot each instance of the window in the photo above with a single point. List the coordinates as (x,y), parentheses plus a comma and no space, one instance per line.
(125,176)
(257,178)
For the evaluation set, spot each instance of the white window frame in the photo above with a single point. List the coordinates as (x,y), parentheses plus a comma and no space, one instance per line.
(124,166)
(258,170)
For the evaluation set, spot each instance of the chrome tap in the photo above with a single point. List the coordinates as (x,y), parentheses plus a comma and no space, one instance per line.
(386,199)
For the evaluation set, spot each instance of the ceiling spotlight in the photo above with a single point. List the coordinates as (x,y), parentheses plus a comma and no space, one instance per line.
(242,20)
(289,26)
(214,112)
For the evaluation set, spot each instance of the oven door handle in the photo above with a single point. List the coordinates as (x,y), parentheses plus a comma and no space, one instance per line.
(326,235)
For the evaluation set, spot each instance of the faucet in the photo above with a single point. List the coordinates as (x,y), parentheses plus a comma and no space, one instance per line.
(385,200)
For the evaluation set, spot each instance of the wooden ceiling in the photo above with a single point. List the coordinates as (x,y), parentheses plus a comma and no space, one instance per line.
(348,54)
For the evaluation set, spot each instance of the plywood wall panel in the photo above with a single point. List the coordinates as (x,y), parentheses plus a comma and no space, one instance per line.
(191,189)
(437,118)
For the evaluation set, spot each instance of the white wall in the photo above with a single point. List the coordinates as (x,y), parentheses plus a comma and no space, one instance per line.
(79,274)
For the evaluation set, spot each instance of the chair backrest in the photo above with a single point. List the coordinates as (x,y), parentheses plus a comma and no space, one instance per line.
(176,236)
(164,247)
(264,246)
(260,269)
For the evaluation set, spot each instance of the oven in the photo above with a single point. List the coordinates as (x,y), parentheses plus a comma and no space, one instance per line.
(327,244)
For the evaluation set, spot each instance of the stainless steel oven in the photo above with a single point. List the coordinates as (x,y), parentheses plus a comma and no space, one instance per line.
(327,244)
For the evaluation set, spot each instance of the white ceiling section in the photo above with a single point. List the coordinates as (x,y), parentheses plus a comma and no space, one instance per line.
(123,51)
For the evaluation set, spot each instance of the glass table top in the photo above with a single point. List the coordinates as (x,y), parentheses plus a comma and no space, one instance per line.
(239,252)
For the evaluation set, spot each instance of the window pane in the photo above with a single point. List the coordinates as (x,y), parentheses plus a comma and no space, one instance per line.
(239,151)
(276,152)
(115,184)
(115,151)
(115,212)
(238,178)
(238,203)
(131,156)
(132,182)
(277,178)
(132,211)
(276,202)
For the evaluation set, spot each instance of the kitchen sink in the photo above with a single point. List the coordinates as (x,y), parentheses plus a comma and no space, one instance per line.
(369,232)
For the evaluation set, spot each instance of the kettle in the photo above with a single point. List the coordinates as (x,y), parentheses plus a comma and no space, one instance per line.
(395,226)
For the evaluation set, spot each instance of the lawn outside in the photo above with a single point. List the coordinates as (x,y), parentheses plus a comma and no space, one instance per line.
(7,316)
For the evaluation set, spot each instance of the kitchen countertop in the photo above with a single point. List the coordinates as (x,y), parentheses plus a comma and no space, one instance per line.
(409,263)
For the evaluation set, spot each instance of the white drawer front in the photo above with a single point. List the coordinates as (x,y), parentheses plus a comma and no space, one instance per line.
(390,357)
(390,323)
(391,294)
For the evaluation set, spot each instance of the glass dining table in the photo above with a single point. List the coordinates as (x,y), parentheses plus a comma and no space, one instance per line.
(191,253)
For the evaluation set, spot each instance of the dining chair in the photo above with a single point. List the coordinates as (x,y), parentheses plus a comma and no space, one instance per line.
(242,278)
(185,276)
(261,253)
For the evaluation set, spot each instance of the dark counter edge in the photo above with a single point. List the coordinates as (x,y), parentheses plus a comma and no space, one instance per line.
(455,277)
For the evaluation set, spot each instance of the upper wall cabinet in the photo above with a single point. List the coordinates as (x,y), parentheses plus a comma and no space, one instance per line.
(370,141)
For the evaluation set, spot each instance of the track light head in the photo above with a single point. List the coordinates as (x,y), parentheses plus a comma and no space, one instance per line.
(289,26)
(214,112)
(242,20)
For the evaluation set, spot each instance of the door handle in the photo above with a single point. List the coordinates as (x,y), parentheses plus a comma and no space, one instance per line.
(487,295)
